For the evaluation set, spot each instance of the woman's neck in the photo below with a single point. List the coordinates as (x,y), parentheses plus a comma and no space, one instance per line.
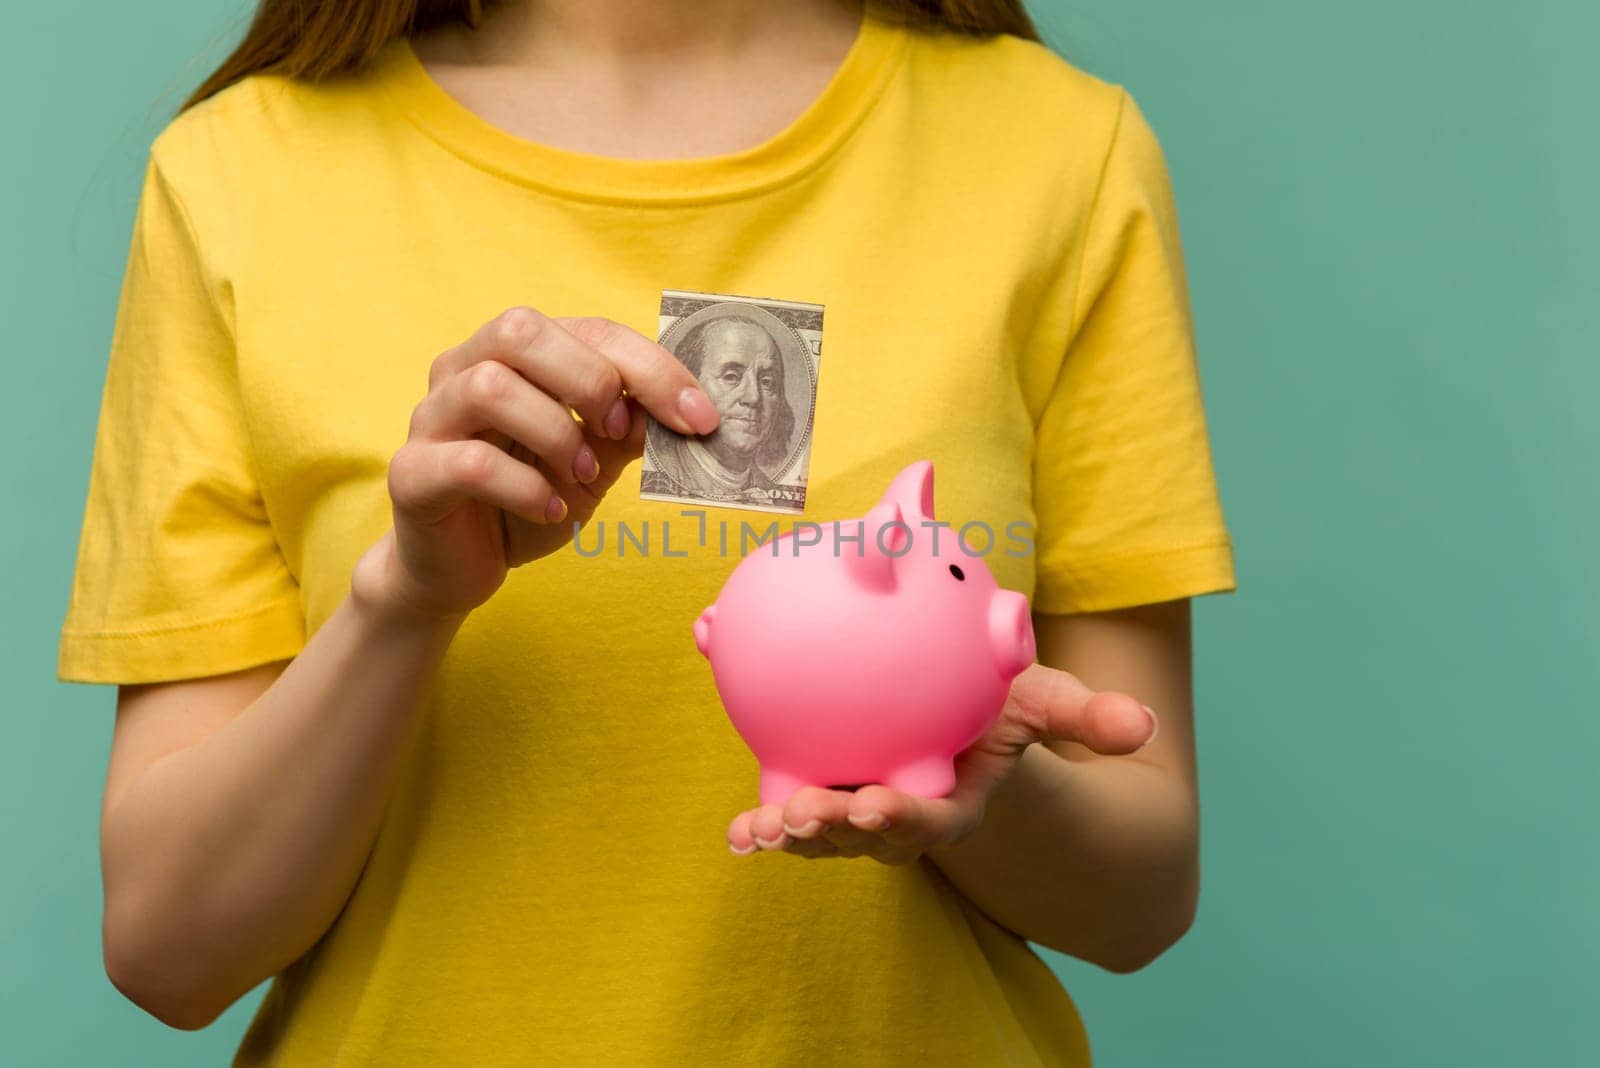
(641,35)
(650,31)
(642,79)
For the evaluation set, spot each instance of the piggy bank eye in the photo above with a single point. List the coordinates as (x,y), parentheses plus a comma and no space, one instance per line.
(956,571)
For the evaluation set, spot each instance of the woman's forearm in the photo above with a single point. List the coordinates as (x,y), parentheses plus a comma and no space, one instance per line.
(1098,859)
(226,860)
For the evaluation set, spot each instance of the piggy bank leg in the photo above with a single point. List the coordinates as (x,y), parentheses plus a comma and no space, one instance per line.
(932,777)
(776,786)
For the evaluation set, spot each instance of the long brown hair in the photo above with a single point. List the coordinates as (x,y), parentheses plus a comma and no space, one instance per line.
(315,39)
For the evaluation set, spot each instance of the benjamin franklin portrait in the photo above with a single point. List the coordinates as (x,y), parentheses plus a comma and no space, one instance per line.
(739,362)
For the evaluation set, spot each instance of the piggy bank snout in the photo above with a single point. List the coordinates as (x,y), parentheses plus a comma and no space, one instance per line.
(1010,632)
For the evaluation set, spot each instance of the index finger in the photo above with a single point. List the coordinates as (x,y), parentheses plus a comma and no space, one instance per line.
(548,357)
(904,819)
(651,374)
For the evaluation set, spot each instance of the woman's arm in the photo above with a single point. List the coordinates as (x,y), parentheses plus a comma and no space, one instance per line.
(239,810)
(1098,856)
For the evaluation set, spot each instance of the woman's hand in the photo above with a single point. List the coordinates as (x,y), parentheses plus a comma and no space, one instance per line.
(495,469)
(897,828)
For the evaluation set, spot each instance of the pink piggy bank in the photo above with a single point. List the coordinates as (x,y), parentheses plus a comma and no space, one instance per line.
(873,654)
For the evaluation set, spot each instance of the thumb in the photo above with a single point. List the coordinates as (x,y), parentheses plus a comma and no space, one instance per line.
(1049,704)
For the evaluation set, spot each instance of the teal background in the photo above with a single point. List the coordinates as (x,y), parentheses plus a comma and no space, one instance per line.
(1390,221)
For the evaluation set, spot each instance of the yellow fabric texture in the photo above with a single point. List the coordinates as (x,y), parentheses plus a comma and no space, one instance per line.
(993,235)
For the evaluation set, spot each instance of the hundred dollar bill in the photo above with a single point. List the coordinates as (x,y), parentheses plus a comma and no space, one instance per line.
(757,360)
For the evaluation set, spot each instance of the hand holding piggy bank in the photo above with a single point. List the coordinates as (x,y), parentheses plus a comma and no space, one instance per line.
(873,655)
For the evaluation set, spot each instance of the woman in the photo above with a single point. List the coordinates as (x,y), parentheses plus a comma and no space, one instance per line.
(384,736)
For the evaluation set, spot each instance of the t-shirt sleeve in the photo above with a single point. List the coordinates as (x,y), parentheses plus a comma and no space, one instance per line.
(1125,495)
(178,573)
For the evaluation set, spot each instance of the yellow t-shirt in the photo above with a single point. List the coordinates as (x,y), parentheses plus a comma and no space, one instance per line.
(993,236)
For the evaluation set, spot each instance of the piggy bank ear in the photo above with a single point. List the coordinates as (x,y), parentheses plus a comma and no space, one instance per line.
(912,491)
(883,538)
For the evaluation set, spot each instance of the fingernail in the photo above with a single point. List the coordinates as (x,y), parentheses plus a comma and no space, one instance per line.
(697,410)
(555,509)
(745,852)
(775,843)
(617,420)
(872,821)
(585,466)
(809,828)
(1155,725)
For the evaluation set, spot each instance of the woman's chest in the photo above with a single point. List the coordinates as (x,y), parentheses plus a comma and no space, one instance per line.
(915,362)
